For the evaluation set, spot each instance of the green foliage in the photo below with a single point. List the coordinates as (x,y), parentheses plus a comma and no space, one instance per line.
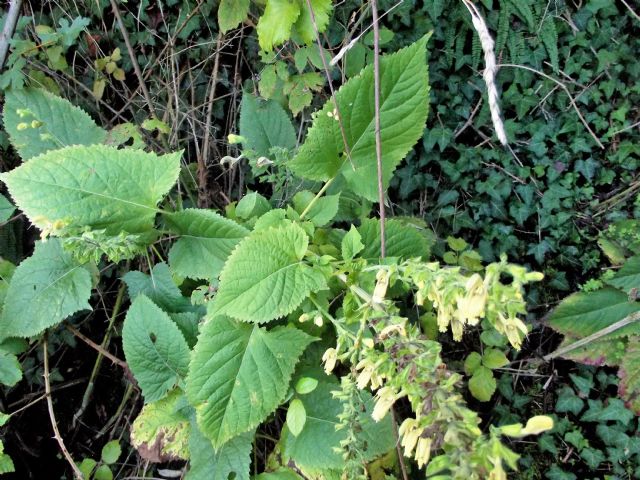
(231,459)
(231,13)
(403,111)
(38,122)
(239,374)
(155,349)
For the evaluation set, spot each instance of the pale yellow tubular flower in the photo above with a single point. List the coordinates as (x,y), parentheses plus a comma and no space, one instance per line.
(381,286)
(330,358)
(386,397)
(457,328)
(395,328)
(368,342)
(364,377)
(423,451)
(409,432)
(472,305)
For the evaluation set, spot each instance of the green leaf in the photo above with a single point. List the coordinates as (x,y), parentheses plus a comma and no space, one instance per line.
(161,431)
(351,244)
(404,104)
(265,277)
(482,384)
(10,370)
(206,240)
(264,124)
(232,13)
(629,373)
(231,460)
(239,374)
(58,123)
(282,474)
(6,208)
(628,277)
(45,289)
(472,363)
(296,416)
(401,240)
(86,467)
(274,26)
(313,448)
(159,287)
(111,452)
(305,27)
(568,401)
(155,349)
(94,187)
(613,411)
(252,205)
(493,358)
(103,472)
(306,385)
(6,464)
(321,212)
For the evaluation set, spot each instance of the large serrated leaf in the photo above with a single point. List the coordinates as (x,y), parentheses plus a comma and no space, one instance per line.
(159,287)
(313,448)
(161,431)
(155,349)
(239,374)
(274,26)
(305,26)
(404,102)
(10,371)
(629,373)
(206,240)
(265,277)
(97,187)
(628,277)
(231,13)
(6,208)
(45,289)
(58,123)
(264,124)
(401,240)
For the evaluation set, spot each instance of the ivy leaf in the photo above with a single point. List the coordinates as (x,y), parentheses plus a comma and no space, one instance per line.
(159,287)
(264,124)
(58,123)
(305,27)
(155,349)
(628,277)
(274,26)
(401,240)
(568,401)
(239,374)
(313,447)
(265,277)
(482,384)
(321,212)
(351,244)
(232,13)
(161,431)
(10,371)
(614,410)
(231,460)
(404,104)
(94,187)
(6,208)
(206,240)
(45,289)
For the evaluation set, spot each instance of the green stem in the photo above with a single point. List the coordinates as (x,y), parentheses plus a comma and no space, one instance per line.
(317,197)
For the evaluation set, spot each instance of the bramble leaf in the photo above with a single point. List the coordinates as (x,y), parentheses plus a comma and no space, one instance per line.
(305,27)
(239,374)
(231,13)
(51,123)
(45,289)
(155,349)
(274,26)
(206,240)
(265,277)
(404,102)
(94,187)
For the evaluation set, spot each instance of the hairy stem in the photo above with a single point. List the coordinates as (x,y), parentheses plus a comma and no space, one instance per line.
(317,197)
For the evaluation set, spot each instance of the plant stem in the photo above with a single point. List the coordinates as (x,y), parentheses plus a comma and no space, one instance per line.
(9,29)
(47,388)
(315,199)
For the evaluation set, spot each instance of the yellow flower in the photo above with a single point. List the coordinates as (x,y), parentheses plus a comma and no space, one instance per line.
(423,451)
(330,358)
(386,398)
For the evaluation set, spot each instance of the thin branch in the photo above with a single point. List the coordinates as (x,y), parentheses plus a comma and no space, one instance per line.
(47,388)
(98,348)
(631,11)
(9,29)
(376,95)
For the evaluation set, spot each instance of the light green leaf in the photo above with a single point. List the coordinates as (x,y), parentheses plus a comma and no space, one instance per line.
(45,289)
(482,384)
(313,448)
(351,244)
(206,240)
(265,277)
(155,349)
(231,460)
(282,474)
(305,27)
(401,240)
(231,13)
(472,362)
(159,287)
(493,358)
(296,416)
(111,452)
(6,208)
(10,370)
(58,123)
(86,467)
(321,212)
(103,472)
(161,431)
(94,187)
(628,277)
(404,102)
(264,124)
(239,374)
(274,26)
(306,385)
(6,464)
(252,205)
